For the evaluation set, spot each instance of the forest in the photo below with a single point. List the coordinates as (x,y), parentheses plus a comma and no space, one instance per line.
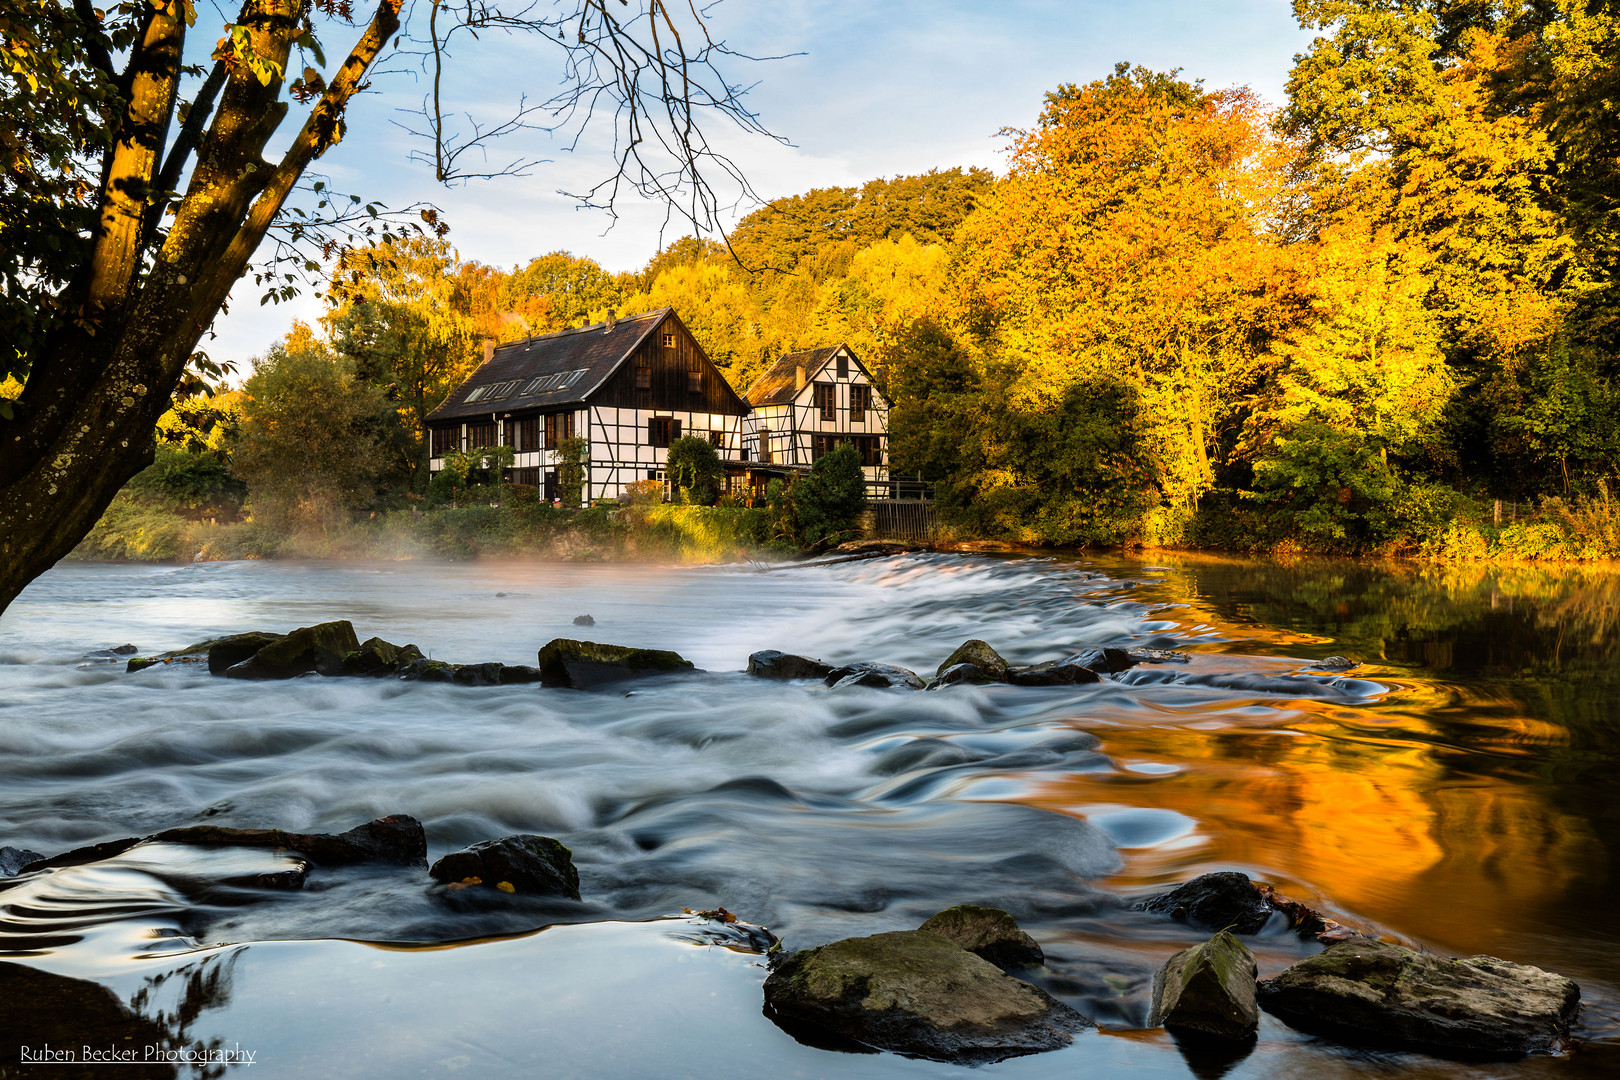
(1380,318)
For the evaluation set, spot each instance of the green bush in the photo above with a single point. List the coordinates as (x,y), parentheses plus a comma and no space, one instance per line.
(695,470)
(828,501)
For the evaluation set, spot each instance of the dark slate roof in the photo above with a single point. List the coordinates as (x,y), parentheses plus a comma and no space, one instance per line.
(591,351)
(777,386)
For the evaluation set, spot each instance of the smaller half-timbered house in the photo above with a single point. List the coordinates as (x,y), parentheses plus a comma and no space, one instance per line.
(809,402)
(630,387)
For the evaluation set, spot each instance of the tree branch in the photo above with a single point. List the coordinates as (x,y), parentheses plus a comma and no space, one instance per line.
(322,129)
(168,179)
(154,78)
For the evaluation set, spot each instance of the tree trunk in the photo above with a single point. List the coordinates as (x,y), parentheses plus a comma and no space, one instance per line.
(85,421)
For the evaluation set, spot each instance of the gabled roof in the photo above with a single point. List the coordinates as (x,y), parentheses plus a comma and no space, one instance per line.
(551,371)
(779,385)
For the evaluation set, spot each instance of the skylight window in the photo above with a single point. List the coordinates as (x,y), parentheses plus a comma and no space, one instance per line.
(501,390)
(570,378)
(479,393)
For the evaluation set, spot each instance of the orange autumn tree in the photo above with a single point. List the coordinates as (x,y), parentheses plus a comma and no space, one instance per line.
(1111,293)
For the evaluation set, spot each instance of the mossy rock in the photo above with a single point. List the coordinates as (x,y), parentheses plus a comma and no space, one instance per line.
(1208,989)
(227,652)
(987,932)
(981,656)
(1368,992)
(321,648)
(580,665)
(917,993)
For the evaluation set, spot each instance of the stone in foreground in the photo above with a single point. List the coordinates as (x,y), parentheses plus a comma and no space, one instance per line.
(980,655)
(987,932)
(526,863)
(1368,991)
(1208,989)
(962,675)
(914,992)
(1226,900)
(770,664)
(882,676)
(321,648)
(580,665)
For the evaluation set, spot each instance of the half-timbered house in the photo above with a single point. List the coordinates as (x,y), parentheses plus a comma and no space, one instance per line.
(809,402)
(629,386)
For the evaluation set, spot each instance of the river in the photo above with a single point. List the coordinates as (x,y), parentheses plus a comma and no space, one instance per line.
(1458,792)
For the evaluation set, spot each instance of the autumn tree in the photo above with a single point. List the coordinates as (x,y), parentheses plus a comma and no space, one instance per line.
(136,193)
(1114,282)
(312,444)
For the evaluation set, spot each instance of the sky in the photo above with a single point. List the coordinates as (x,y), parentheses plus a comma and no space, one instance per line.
(862,89)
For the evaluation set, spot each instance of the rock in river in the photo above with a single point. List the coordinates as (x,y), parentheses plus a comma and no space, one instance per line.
(770,664)
(583,664)
(1372,992)
(321,648)
(1208,989)
(980,655)
(917,993)
(1068,672)
(526,863)
(865,673)
(1226,900)
(14,859)
(987,932)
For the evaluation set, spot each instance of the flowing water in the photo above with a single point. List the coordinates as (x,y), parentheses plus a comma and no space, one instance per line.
(1458,791)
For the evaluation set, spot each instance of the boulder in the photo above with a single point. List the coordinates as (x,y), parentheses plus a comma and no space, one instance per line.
(526,863)
(980,655)
(14,859)
(477,674)
(397,838)
(770,664)
(917,993)
(1332,663)
(1226,900)
(1157,656)
(1105,661)
(229,651)
(1208,989)
(959,674)
(865,673)
(581,665)
(424,670)
(376,657)
(584,620)
(321,648)
(986,932)
(1368,991)
(512,674)
(1067,672)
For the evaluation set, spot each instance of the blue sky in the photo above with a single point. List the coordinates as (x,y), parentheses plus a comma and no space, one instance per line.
(878,89)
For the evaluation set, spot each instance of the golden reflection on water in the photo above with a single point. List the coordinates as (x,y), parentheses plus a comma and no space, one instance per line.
(1421,814)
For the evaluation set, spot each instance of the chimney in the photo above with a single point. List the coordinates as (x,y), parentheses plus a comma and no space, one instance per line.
(798,377)
(607,323)
(489,349)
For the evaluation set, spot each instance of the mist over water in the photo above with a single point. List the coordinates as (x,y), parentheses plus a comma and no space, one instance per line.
(1438,810)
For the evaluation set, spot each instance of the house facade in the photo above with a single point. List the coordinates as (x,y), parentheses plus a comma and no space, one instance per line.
(630,387)
(805,405)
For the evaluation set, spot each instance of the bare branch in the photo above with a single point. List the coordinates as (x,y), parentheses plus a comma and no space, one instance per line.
(655,74)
